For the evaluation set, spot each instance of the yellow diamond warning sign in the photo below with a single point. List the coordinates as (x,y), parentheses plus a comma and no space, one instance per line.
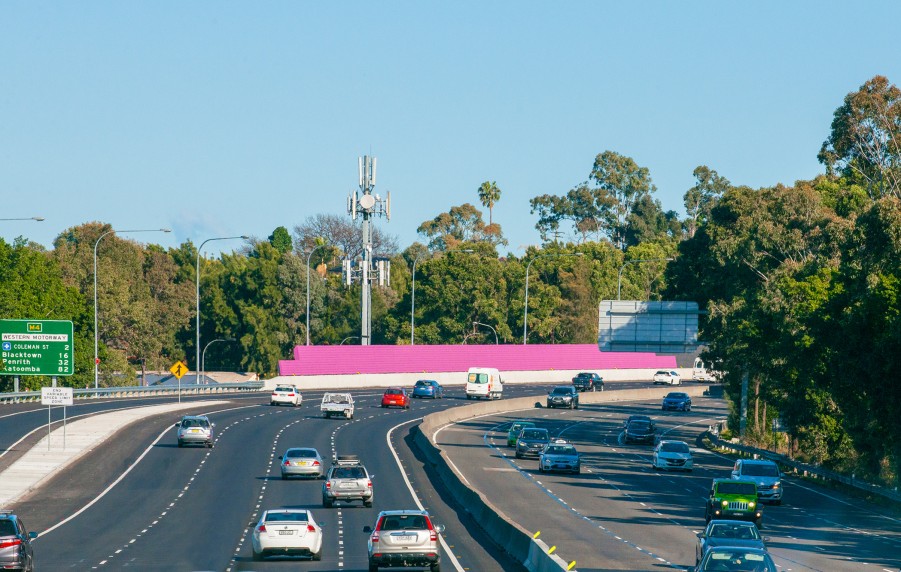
(178,369)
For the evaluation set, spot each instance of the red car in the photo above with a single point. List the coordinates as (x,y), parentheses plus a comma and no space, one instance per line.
(396,397)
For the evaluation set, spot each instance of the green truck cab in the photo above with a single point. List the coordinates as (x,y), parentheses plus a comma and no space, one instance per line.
(733,499)
(515,428)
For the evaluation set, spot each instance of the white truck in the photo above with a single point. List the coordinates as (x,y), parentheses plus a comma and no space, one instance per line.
(701,373)
(484,383)
(337,404)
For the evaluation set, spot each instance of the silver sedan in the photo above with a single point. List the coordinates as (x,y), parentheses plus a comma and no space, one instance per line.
(287,532)
(301,462)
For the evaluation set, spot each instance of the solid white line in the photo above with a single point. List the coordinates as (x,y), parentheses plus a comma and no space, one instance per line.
(403,473)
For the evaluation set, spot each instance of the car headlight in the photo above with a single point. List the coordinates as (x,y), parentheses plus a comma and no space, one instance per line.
(752,504)
(725,503)
(777,485)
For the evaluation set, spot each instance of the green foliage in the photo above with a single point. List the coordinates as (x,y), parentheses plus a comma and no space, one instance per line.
(463,223)
(280,239)
(489,194)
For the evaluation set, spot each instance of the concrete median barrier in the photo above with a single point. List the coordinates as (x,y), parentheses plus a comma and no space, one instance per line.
(504,531)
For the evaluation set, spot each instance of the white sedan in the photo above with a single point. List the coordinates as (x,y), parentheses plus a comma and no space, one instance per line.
(667,377)
(672,455)
(287,532)
(286,394)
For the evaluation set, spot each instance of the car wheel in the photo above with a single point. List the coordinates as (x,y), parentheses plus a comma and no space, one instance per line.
(180,444)
(284,477)
(209,445)
(578,470)
(572,405)
(257,556)
(759,523)
(326,502)
(271,403)
(435,567)
(594,388)
(518,456)
(540,468)
(317,556)
(367,504)
(777,502)
(373,568)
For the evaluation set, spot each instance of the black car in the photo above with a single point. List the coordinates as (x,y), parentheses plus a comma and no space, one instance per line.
(640,431)
(586,381)
(677,401)
(735,533)
(563,396)
(632,418)
(15,543)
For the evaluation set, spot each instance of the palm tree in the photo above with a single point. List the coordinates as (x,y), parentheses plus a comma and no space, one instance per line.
(489,194)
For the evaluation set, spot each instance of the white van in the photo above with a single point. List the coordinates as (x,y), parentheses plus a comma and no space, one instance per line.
(484,383)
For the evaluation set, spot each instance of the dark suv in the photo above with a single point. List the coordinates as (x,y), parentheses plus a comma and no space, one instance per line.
(640,431)
(15,543)
(563,396)
(586,381)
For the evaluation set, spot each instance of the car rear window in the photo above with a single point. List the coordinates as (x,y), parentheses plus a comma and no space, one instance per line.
(7,528)
(403,522)
(740,531)
(421,383)
(286,517)
(348,473)
(661,372)
(394,392)
(301,454)
(284,389)
(737,489)
(195,423)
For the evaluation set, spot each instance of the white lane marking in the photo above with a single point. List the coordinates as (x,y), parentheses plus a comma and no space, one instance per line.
(403,473)
(122,476)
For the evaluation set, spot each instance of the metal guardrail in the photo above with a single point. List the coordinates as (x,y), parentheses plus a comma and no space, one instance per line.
(804,469)
(140,391)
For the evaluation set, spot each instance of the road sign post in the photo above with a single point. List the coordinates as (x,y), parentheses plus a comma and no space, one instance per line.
(51,396)
(37,347)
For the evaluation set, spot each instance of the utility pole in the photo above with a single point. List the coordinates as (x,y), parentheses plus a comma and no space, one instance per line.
(367,205)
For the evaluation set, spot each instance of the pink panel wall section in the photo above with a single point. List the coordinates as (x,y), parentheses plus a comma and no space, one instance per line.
(344,360)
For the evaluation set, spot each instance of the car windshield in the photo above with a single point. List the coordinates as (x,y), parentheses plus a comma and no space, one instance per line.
(727,488)
(674,448)
(738,530)
(292,516)
(677,396)
(348,473)
(534,434)
(195,423)
(300,453)
(561,391)
(561,450)
(760,470)
(639,425)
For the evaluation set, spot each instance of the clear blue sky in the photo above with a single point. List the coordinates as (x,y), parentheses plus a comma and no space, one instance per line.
(222,118)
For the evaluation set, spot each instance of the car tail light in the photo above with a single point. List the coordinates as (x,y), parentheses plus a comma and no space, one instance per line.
(378,527)
(274,394)
(290,395)
(287,462)
(328,485)
(311,528)
(261,528)
(369,484)
(10,543)
(433,536)
(374,538)
(316,463)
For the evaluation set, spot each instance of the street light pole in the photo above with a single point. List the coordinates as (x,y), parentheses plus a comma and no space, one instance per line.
(309,259)
(487,326)
(96,337)
(197,294)
(349,338)
(619,280)
(36,218)
(203,355)
(525,314)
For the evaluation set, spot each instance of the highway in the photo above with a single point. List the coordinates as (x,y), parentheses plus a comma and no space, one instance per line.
(620,514)
(190,509)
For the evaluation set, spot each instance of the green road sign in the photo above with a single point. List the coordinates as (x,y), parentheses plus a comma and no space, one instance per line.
(36,347)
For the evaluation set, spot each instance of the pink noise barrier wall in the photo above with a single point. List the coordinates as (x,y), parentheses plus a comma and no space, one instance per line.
(349,360)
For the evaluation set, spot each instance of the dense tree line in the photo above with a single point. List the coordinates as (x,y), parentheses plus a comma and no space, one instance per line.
(801,285)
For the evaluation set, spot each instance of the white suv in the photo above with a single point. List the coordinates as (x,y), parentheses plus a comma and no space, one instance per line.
(286,394)
(765,474)
(404,538)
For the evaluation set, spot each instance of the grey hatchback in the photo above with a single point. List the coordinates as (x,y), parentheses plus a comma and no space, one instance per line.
(196,430)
